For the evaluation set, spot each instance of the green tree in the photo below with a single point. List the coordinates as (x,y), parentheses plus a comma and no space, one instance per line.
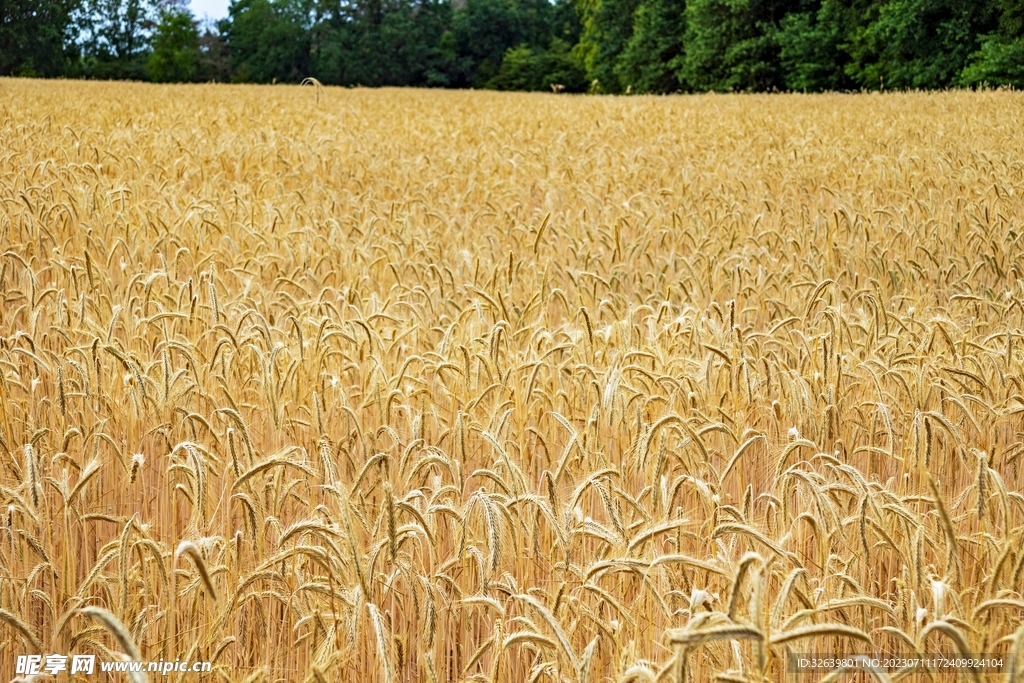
(484,30)
(214,53)
(918,43)
(732,44)
(36,36)
(175,55)
(526,68)
(561,68)
(607,28)
(269,40)
(652,57)
(397,42)
(1000,61)
(812,45)
(117,34)
(518,71)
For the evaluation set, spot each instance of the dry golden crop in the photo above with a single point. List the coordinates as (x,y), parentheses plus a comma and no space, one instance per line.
(324,384)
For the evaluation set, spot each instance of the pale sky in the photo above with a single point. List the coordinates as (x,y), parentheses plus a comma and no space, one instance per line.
(214,9)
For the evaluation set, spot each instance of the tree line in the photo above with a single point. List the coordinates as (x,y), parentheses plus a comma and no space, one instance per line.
(609,46)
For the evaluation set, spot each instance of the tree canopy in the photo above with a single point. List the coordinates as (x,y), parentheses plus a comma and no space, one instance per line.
(609,46)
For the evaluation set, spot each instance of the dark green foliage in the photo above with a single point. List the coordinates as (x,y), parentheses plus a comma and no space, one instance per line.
(175,55)
(518,70)
(116,43)
(607,27)
(610,46)
(36,36)
(651,60)
(732,44)
(547,66)
(918,43)
(565,22)
(269,40)
(811,46)
(484,30)
(555,69)
(394,43)
(1000,61)
(214,55)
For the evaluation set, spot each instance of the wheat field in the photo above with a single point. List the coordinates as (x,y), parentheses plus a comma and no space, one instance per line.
(382,385)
